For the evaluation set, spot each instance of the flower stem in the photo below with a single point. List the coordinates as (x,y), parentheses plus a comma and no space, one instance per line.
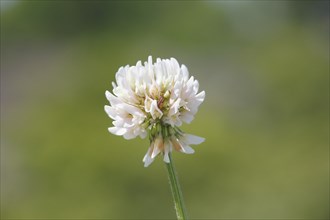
(176,191)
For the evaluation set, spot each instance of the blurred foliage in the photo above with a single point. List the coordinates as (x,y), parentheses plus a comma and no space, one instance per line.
(264,67)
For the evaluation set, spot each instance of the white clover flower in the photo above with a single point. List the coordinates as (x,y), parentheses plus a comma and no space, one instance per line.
(154,99)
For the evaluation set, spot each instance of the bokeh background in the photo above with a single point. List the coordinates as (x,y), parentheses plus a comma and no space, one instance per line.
(263,64)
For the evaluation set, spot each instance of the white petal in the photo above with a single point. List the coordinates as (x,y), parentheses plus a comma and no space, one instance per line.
(147,160)
(143,134)
(155,111)
(176,145)
(111,98)
(200,96)
(155,152)
(166,158)
(174,107)
(117,131)
(192,139)
(108,95)
(190,83)
(195,86)
(187,117)
(129,135)
(158,146)
(188,149)
(167,150)
(175,63)
(110,111)
(133,110)
(150,62)
(185,72)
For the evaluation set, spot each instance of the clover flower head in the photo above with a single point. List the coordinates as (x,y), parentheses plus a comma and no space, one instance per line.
(154,100)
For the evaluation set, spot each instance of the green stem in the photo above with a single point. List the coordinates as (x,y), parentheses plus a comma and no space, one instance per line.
(176,191)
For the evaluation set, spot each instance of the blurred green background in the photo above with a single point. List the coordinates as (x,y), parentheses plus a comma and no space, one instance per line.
(263,64)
